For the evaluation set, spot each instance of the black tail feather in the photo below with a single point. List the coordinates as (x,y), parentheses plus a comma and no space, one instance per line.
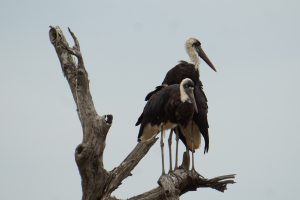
(139,120)
(206,139)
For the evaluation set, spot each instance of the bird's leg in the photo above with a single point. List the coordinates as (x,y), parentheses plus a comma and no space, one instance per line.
(193,150)
(187,152)
(162,150)
(170,149)
(176,158)
(185,160)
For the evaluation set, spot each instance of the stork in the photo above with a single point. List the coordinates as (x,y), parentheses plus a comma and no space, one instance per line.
(190,135)
(166,109)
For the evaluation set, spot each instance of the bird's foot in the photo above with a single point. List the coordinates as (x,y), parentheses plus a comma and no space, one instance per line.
(176,167)
(185,161)
(170,171)
(193,172)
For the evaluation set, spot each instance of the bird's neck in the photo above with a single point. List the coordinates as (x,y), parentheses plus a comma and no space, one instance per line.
(194,59)
(183,95)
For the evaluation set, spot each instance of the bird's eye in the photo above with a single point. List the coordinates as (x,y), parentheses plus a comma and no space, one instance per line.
(197,43)
(189,86)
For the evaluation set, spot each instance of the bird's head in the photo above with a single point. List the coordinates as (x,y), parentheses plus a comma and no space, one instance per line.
(187,92)
(193,43)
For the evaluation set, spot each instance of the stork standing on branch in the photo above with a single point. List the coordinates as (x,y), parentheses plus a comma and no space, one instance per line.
(190,134)
(172,106)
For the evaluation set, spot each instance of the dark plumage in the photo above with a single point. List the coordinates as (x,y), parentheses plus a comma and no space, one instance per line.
(190,70)
(181,71)
(167,108)
(200,122)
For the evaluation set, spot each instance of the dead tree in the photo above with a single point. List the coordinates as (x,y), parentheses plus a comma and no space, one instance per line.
(98,183)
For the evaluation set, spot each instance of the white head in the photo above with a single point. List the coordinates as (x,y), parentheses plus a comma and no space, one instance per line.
(187,92)
(191,42)
(193,49)
(189,47)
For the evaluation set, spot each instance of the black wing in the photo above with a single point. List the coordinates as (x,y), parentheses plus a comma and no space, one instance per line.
(154,110)
(181,71)
(200,118)
(176,75)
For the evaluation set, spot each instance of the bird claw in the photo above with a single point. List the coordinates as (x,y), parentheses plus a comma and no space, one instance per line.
(193,172)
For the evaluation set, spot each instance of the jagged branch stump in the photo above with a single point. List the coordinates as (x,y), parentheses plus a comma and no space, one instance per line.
(98,183)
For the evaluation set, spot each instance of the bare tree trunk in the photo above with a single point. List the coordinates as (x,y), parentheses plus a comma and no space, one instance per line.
(98,183)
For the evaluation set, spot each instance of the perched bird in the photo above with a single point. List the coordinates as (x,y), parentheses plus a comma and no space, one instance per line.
(171,106)
(190,134)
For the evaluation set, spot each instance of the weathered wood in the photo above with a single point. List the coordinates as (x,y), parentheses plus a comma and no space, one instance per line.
(184,181)
(88,154)
(121,172)
(97,183)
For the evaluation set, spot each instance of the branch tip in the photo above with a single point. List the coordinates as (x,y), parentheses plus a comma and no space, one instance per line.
(77,46)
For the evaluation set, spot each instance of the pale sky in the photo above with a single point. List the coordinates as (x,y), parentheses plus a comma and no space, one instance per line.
(128,46)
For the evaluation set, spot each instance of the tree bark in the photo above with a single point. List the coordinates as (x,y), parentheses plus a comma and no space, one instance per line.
(98,183)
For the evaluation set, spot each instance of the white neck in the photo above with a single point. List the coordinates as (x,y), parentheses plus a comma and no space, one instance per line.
(193,55)
(183,96)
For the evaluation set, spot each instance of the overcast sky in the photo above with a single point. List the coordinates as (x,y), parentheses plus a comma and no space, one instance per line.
(128,46)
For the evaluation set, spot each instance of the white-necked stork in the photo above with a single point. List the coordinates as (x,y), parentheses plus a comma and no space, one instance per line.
(190,135)
(166,109)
